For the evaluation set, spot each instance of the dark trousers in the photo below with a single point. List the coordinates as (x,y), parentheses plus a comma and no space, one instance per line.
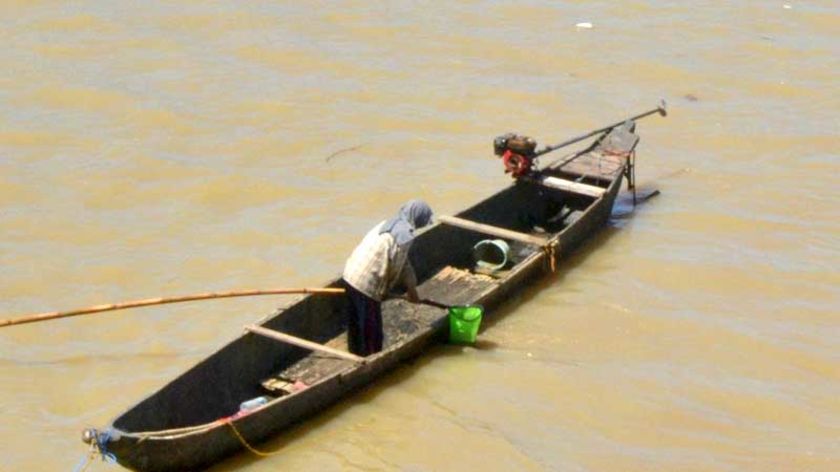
(364,323)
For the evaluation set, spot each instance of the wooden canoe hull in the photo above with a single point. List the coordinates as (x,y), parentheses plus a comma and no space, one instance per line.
(211,391)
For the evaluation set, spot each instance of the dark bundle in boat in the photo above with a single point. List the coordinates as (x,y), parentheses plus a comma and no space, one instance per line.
(197,419)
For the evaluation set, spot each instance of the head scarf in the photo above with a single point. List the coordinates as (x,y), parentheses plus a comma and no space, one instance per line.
(413,215)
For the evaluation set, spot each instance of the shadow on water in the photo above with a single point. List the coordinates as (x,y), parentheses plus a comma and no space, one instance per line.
(485,345)
(410,367)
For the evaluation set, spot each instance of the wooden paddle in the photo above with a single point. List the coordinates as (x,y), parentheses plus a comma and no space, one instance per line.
(160,301)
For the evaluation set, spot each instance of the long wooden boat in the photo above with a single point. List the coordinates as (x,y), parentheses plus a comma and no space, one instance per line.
(195,420)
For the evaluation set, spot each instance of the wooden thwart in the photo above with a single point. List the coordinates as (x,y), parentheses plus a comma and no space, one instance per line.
(569,186)
(493,230)
(286,338)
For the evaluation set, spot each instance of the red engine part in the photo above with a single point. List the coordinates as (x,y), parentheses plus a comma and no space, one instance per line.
(515,164)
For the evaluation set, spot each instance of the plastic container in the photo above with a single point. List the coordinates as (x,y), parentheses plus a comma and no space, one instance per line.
(491,254)
(463,323)
(253,404)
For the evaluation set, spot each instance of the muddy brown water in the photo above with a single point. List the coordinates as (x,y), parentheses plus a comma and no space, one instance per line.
(148,149)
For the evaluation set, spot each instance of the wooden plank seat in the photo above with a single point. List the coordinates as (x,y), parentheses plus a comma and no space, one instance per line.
(283,337)
(494,230)
(570,186)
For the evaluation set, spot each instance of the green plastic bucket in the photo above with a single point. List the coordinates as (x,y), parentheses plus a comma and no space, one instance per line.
(464,322)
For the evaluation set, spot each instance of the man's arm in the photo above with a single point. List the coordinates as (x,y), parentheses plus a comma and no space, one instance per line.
(410,282)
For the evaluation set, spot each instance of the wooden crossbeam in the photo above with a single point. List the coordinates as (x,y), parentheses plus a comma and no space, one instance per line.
(286,338)
(569,186)
(493,230)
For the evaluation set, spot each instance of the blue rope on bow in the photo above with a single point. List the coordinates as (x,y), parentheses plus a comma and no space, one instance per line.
(102,440)
(98,447)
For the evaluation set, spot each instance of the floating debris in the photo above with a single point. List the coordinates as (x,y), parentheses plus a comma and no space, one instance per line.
(690,97)
(344,150)
(584,25)
(786,6)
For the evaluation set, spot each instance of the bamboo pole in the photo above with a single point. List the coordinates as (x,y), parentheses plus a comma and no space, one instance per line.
(160,301)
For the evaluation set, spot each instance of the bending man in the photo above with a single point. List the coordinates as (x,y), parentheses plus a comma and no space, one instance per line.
(377,264)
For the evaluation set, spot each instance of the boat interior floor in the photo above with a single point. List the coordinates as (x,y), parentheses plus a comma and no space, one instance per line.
(400,318)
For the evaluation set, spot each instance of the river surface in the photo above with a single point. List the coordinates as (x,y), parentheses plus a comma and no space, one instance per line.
(155,148)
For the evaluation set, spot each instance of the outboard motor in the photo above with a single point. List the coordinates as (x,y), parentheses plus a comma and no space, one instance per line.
(517,153)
